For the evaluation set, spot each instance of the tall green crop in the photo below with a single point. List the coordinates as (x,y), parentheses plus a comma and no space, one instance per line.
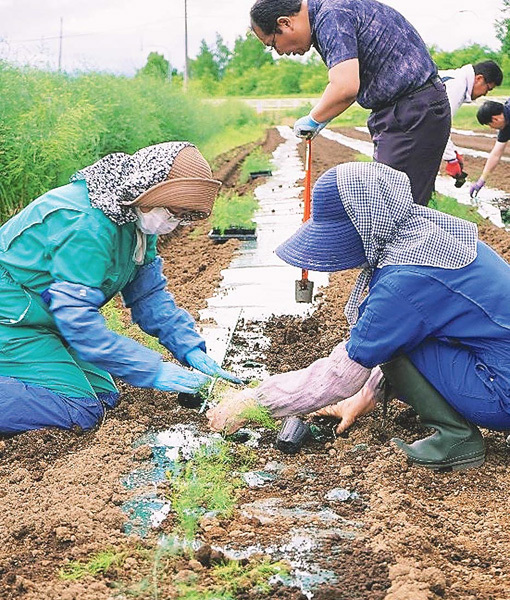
(52,124)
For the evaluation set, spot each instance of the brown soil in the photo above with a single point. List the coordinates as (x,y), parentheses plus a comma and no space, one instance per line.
(500,177)
(425,535)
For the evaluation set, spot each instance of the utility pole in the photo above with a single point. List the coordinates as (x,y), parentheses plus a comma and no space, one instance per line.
(185,83)
(60,44)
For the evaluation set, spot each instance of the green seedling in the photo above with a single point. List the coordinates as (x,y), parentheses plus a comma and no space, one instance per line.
(232,211)
(99,564)
(191,593)
(255,575)
(232,577)
(219,389)
(196,232)
(260,415)
(256,161)
(205,484)
(450,206)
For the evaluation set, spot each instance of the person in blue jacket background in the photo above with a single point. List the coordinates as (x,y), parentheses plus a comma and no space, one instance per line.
(68,253)
(435,324)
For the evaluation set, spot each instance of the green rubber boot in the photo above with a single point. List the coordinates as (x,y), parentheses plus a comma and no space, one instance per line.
(456,444)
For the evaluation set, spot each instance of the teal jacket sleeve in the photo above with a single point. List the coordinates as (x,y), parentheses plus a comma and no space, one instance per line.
(153,308)
(75,308)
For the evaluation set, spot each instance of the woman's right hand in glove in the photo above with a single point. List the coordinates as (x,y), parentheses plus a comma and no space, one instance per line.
(173,378)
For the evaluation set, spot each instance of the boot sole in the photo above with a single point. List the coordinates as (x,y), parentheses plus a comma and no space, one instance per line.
(458,465)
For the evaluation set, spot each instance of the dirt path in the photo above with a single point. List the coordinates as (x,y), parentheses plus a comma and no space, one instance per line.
(425,536)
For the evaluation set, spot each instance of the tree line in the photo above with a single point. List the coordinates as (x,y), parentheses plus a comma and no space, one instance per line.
(249,69)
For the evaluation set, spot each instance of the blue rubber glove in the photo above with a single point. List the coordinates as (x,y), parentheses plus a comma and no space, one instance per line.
(173,378)
(203,362)
(476,187)
(75,308)
(153,308)
(306,127)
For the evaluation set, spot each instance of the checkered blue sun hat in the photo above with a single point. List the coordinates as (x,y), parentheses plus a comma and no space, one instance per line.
(328,241)
(363,214)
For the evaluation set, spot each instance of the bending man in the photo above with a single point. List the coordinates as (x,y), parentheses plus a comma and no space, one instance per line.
(463,86)
(376,57)
(496,116)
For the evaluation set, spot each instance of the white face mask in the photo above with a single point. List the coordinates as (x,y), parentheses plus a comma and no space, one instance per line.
(157,221)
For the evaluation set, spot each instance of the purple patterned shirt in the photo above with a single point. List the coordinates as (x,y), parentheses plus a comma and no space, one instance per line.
(393,58)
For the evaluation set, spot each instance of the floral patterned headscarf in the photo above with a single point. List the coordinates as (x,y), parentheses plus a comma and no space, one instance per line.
(118,178)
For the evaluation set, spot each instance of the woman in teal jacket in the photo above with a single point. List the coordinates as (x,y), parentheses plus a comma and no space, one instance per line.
(68,253)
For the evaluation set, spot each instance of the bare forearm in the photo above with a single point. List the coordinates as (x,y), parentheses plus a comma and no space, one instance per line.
(340,92)
(493,160)
(331,104)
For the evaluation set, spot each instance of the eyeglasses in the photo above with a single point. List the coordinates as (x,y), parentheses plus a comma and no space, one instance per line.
(489,86)
(273,42)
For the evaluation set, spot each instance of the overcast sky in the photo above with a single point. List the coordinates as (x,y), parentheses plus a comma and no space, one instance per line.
(117,35)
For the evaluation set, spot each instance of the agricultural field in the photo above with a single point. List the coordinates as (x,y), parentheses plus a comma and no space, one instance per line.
(390,532)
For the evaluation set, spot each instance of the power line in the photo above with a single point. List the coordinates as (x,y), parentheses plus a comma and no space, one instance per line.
(130,28)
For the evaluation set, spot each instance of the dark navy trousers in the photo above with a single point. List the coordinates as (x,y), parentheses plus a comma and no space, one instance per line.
(411,136)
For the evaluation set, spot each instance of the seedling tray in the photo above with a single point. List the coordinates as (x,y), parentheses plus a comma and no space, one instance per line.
(255,174)
(232,233)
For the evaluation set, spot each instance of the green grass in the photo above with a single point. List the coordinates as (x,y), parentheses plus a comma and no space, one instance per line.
(450,206)
(233,210)
(196,232)
(233,578)
(190,593)
(53,124)
(465,118)
(354,116)
(363,158)
(255,161)
(205,484)
(99,564)
(230,137)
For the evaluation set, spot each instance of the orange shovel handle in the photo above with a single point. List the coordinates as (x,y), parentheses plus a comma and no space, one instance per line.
(308,191)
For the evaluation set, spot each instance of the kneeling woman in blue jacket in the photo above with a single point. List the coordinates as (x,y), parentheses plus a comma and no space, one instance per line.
(435,323)
(68,253)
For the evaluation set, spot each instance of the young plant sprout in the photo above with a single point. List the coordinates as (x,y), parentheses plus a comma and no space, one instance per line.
(259,415)
(252,412)
(256,162)
(232,211)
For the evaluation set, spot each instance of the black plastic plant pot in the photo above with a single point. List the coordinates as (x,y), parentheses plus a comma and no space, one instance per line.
(190,400)
(255,174)
(505,215)
(231,233)
(293,435)
(461,180)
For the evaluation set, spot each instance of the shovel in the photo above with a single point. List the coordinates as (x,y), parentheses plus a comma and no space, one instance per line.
(304,287)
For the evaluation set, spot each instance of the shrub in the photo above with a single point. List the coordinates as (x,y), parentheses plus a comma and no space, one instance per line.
(53,124)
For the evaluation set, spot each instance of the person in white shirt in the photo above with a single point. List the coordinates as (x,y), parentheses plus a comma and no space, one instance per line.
(465,85)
